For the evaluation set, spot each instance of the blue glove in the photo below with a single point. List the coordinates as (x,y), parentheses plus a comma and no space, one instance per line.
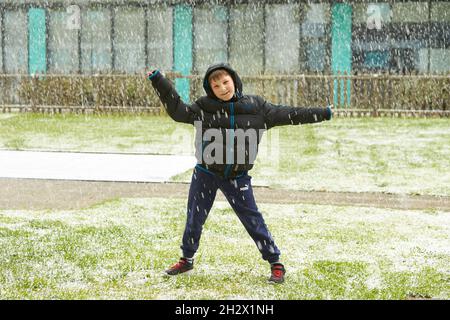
(151,74)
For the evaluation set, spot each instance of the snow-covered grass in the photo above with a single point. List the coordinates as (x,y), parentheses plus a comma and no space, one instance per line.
(87,133)
(380,155)
(391,155)
(376,155)
(119,249)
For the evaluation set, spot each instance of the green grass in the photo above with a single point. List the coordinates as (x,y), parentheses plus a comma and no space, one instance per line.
(377,155)
(99,133)
(392,155)
(119,249)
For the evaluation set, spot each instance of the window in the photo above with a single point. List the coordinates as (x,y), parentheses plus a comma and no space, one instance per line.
(247,38)
(282,39)
(440,33)
(410,36)
(62,43)
(440,11)
(392,36)
(315,51)
(16,42)
(440,61)
(376,59)
(413,11)
(371,36)
(159,45)
(372,15)
(129,40)
(96,41)
(1,43)
(314,40)
(210,36)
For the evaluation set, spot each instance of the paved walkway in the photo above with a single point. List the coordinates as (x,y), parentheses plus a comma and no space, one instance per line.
(57,180)
(92,166)
(70,194)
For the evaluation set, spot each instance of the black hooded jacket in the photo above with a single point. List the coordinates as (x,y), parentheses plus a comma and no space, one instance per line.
(225,118)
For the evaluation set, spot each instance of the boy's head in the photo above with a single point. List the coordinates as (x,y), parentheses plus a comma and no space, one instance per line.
(222,84)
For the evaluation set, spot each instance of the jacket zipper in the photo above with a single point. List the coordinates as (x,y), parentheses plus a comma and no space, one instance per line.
(228,167)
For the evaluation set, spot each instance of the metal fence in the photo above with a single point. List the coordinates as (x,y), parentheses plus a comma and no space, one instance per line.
(355,95)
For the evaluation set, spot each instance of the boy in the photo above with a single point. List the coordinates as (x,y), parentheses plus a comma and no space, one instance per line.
(226,110)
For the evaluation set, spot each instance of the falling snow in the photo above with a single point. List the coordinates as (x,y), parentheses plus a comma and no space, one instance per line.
(119,243)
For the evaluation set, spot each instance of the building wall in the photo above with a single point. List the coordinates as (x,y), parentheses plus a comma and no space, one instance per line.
(15,41)
(405,38)
(254,36)
(1,41)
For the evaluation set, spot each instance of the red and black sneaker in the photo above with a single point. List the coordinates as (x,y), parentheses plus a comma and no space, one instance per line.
(180,267)
(277,273)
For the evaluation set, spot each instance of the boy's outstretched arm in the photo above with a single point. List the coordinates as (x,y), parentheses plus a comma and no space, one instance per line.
(176,108)
(279,115)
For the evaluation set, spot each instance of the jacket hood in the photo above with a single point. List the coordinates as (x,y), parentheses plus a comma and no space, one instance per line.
(237,81)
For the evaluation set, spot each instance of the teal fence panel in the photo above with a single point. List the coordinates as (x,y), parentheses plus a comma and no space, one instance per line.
(183,48)
(37,62)
(341,49)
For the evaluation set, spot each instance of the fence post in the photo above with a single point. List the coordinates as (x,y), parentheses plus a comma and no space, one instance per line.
(33,92)
(336,90)
(330,90)
(373,96)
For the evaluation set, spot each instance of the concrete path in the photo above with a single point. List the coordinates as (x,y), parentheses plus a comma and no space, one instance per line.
(58,180)
(92,166)
(37,194)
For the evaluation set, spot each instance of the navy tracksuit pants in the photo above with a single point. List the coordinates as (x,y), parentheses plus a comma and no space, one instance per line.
(239,193)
